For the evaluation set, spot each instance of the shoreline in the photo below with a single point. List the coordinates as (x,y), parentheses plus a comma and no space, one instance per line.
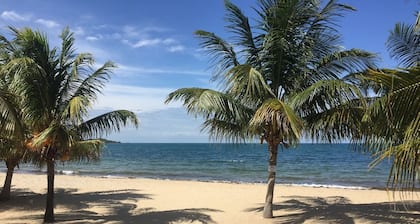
(87,174)
(84,199)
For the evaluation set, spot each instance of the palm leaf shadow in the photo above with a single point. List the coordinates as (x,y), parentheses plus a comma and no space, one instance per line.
(299,209)
(120,205)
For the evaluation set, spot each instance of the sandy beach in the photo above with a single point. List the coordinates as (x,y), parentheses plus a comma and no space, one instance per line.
(82,199)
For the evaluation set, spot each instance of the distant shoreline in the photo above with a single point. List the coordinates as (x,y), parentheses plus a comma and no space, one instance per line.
(107,141)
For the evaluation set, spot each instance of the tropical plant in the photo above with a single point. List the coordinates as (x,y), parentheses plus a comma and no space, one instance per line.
(57,88)
(394,114)
(11,123)
(279,81)
(11,148)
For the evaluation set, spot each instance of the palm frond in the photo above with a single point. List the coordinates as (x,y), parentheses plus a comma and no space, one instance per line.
(232,130)
(11,123)
(404,44)
(70,75)
(30,83)
(338,124)
(277,120)
(34,44)
(94,83)
(86,92)
(324,95)
(339,62)
(240,27)
(401,102)
(318,29)
(86,150)
(404,171)
(199,101)
(226,117)
(222,54)
(107,123)
(245,81)
(67,50)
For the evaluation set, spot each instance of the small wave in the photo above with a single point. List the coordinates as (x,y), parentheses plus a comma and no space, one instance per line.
(228,161)
(115,177)
(330,186)
(67,172)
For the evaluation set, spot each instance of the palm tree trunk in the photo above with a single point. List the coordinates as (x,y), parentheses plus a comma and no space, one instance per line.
(49,209)
(268,207)
(5,192)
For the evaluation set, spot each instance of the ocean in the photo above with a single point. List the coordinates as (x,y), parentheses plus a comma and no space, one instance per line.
(317,165)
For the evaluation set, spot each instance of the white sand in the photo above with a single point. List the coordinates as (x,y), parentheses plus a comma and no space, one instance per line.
(81,199)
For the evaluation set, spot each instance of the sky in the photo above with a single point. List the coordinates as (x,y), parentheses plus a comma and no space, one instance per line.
(153,45)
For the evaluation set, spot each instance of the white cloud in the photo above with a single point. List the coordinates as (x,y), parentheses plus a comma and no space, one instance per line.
(169,125)
(125,69)
(172,44)
(100,54)
(146,37)
(176,48)
(134,98)
(169,41)
(130,31)
(79,31)
(92,38)
(155,29)
(13,16)
(116,36)
(47,23)
(146,42)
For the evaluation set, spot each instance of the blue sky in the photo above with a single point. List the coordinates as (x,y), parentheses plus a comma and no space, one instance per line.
(152,43)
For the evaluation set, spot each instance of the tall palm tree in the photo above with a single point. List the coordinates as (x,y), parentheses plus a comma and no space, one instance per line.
(12,126)
(279,81)
(394,114)
(12,153)
(12,150)
(58,88)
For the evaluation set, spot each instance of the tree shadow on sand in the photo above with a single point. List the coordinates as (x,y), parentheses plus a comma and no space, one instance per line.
(116,206)
(340,210)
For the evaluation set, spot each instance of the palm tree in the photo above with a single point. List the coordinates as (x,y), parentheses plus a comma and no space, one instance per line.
(12,155)
(394,115)
(279,81)
(12,152)
(11,123)
(58,88)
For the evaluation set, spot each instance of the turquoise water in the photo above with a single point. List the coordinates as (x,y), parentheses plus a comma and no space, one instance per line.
(330,165)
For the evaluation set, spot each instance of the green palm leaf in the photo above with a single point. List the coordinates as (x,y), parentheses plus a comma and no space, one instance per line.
(349,61)
(404,44)
(247,82)
(107,123)
(85,93)
(240,27)
(10,119)
(226,117)
(86,150)
(221,53)
(277,120)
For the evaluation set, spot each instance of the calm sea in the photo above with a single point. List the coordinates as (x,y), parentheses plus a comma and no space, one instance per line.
(328,165)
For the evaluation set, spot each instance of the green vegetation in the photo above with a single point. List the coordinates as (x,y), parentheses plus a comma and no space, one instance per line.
(393,116)
(56,88)
(108,141)
(281,80)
